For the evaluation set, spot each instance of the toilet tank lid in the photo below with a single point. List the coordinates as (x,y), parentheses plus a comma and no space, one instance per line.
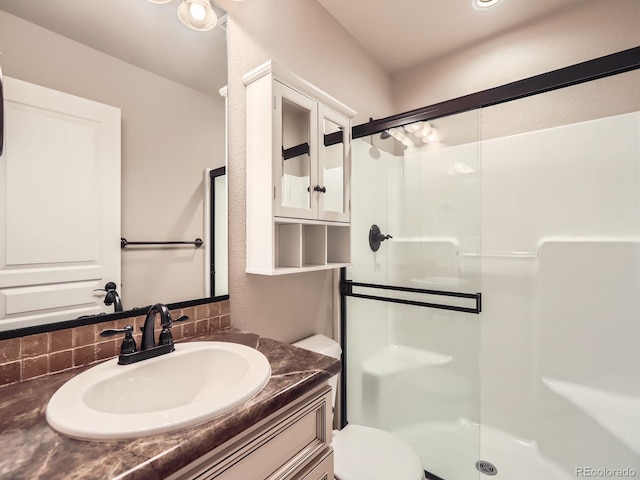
(321,344)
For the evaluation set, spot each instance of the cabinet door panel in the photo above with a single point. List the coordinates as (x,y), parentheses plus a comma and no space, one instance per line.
(293,443)
(296,160)
(320,470)
(333,174)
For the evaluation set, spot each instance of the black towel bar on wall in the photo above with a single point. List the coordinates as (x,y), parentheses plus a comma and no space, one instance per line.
(125,243)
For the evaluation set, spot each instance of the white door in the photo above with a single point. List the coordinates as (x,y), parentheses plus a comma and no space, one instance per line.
(60,205)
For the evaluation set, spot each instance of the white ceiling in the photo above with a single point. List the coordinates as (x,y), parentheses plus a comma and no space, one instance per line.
(400,34)
(139,32)
(397,34)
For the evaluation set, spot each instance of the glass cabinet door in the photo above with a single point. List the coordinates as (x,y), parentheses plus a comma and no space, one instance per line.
(296,158)
(334,166)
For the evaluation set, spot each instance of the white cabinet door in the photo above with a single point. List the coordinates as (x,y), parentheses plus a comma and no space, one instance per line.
(334,166)
(60,205)
(296,156)
(312,158)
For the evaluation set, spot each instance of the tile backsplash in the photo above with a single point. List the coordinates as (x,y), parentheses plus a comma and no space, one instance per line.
(41,354)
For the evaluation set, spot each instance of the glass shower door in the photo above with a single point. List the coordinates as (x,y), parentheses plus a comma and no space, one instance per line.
(412,324)
(561,267)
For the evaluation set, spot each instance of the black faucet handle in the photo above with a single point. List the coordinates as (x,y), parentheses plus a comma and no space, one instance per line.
(128,343)
(165,335)
(168,321)
(110,332)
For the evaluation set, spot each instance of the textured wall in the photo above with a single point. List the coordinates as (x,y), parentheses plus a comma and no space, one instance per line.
(591,30)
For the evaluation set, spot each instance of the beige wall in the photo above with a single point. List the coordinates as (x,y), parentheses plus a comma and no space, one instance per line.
(591,30)
(170,134)
(301,36)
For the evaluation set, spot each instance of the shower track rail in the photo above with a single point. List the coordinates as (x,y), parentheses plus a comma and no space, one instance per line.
(346,289)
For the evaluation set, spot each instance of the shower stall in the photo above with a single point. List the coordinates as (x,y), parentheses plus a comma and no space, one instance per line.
(488,318)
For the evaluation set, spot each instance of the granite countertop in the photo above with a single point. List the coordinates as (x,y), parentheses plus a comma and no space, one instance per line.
(30,449)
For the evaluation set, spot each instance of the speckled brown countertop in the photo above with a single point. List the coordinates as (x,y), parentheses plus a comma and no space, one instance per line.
(30,449)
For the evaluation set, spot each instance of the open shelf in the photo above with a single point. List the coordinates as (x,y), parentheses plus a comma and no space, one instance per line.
(308,245)
(338,244)
(314,245)
(288,245)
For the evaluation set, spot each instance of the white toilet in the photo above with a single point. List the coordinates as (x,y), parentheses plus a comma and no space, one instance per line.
(365,453)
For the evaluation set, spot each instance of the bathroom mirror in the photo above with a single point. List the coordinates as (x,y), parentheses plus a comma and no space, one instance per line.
(166,79)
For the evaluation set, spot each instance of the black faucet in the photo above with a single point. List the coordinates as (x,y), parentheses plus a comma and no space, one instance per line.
(112,297)
(148,348)
(148,339)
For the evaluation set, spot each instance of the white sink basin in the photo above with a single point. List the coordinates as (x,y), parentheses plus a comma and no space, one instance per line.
(193,384)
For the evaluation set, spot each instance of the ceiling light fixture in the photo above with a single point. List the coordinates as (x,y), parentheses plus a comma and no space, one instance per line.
(413,127)
(483,4)
(433,137)
(197,14)
(425,131)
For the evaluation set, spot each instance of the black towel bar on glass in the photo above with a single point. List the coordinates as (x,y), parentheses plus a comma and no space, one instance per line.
(347,286)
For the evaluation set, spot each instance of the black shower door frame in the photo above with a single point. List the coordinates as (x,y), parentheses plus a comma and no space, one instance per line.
(606,66)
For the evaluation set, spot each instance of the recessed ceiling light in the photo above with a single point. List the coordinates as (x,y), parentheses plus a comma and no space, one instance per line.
(482,4)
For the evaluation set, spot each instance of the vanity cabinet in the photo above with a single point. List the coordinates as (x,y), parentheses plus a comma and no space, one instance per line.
(291,444)
(298,175)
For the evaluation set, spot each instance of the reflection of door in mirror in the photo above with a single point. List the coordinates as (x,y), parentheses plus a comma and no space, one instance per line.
(60,215)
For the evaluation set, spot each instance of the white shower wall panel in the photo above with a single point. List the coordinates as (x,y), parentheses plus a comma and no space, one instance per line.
(588,330)
(507,357)
(440,194)
(574,180)
(560,219)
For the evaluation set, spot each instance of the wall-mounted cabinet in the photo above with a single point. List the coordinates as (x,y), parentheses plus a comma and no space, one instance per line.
(298,175)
